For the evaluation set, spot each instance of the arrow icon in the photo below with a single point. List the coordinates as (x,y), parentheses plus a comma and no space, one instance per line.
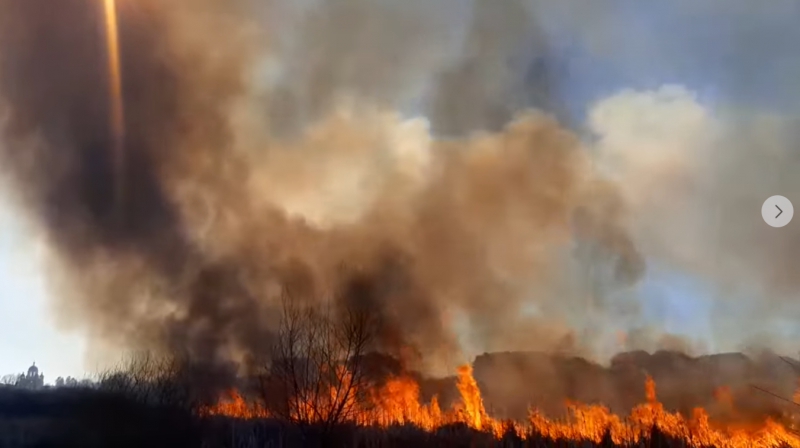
(784,214)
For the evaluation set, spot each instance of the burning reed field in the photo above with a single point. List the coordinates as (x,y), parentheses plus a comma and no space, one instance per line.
(368,400)
(373,223)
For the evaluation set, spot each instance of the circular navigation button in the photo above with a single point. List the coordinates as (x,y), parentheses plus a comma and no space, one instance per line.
(777,211)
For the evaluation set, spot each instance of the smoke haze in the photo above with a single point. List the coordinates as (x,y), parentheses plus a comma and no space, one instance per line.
(269,149)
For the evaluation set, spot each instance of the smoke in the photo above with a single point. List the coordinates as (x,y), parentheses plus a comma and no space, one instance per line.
(264,161)
(115,257)
(695,178)
(270,151)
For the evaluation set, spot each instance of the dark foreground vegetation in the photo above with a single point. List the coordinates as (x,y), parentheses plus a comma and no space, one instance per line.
(99,418)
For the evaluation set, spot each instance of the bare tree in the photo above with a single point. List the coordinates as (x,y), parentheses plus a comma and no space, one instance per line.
(9,380)
(315,373)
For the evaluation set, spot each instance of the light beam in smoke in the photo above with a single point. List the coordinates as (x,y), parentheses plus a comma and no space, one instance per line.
(117,106)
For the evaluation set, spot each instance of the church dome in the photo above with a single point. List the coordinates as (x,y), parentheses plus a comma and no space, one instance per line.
(33,370)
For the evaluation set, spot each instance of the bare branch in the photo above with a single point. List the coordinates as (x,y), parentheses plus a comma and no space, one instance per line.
(317,361)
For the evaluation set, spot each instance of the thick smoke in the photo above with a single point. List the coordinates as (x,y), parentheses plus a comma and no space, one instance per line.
(58,156)
(695,182)
(260,162)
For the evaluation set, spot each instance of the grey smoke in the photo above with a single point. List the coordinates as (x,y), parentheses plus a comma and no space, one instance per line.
(310,176)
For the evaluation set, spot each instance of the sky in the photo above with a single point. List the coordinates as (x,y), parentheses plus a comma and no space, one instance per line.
(28,332)
(726,53)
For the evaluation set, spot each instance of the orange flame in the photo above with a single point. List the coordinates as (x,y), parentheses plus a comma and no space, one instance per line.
(398,402)
(235,406)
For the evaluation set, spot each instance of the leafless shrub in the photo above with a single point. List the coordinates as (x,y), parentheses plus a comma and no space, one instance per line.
(315,373)
(152,380)
(9,380)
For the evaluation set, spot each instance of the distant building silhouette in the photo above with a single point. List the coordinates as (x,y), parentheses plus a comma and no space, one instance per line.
(31,380)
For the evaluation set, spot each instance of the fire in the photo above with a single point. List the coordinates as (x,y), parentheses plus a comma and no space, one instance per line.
(398,402)
(234,405)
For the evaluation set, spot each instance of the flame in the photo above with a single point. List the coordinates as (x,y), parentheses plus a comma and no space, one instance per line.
(398,402)
(234,405)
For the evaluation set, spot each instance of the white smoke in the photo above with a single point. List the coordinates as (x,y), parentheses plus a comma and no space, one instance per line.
(694,178)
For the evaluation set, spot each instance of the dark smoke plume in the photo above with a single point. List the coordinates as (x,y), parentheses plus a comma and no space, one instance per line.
(222,215)
(58,154)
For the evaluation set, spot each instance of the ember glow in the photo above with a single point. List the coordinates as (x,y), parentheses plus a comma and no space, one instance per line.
(398,402)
